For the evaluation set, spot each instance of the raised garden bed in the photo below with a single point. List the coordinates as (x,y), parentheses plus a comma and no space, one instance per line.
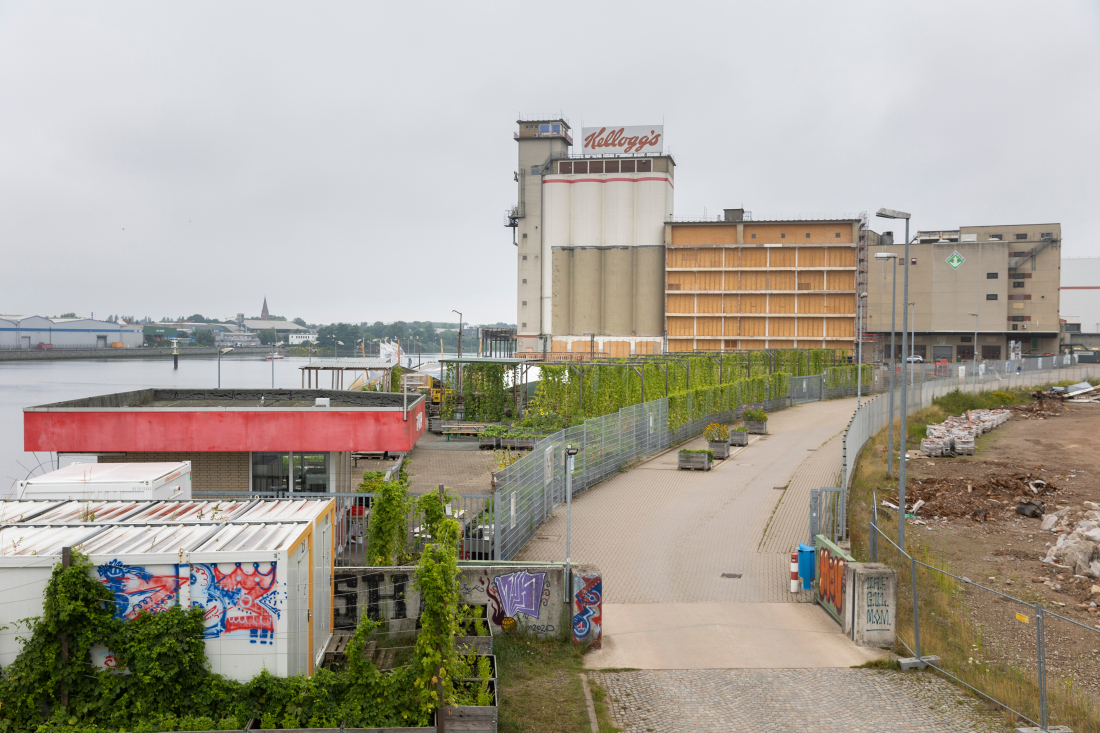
(476,634)
(721,450)
(739,437)
(757,427)
(694,460)
(488,443)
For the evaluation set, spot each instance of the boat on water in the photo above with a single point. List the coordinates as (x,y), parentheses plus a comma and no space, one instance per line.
(273,357)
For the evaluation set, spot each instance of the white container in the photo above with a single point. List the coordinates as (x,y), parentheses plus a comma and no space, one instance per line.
(111,481)
(265,584)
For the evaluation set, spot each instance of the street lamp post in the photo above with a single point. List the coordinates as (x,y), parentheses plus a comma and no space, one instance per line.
(891,257)
(975,350)
(458,367)
(220,352)
(859,358)
(570,452)
(892,214)
(912,342)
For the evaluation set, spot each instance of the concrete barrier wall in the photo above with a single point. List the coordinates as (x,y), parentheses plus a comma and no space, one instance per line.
(527,598)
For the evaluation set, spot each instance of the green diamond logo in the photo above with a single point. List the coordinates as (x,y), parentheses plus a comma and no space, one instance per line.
(955,260)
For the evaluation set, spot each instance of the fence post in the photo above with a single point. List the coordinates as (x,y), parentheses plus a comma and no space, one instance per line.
(874,535)
(498,527)
(815,513)
(916,610)
(1041,648)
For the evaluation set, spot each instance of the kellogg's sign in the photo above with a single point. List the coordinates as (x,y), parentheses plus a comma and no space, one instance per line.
(623,140)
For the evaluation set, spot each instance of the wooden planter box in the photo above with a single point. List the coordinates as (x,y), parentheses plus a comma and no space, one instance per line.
(507,442)
(523,443)
(694,461)
(472,643)
(488,443)
(739,437)
(492,665)
(720,450)
(757,427)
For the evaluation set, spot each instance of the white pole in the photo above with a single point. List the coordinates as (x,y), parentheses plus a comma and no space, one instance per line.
(859,349)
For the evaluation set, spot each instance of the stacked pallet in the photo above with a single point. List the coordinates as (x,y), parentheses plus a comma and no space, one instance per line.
(957,434)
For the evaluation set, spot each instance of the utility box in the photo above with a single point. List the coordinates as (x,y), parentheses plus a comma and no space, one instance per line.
(111,482)
(872,593)
(806,565)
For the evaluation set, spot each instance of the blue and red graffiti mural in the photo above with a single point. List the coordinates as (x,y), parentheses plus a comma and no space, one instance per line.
(831,571)
(588,608)
(237,604)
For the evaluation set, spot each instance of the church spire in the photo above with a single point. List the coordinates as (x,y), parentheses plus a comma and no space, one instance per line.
(264,315)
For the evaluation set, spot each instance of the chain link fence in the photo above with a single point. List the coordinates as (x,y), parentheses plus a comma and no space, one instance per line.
(1038,665)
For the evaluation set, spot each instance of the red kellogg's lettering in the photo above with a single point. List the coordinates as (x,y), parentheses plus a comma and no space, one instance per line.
(617,139)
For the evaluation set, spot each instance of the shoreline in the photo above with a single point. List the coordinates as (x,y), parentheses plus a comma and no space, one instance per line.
(142,353)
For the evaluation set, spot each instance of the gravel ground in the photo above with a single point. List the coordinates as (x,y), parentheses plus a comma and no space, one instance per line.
(789,699)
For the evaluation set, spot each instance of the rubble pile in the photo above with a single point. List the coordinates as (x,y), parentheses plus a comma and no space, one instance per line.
(956,435)
(1046,404)
(967,499)
(1078,547)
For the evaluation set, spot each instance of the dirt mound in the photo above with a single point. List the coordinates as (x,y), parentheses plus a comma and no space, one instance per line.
(987,489)
(1045,405)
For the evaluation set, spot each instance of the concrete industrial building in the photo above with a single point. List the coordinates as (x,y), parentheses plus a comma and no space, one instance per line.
(27,332)
(1080,301)
(590,236)
(1007,274)
(773,284)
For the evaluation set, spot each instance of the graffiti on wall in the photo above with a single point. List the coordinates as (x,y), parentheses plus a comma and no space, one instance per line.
(588,609)
(831,572)
(516,593)
(236,603)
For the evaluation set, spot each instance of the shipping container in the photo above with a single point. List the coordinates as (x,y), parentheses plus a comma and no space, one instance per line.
(106,481)
(265,582)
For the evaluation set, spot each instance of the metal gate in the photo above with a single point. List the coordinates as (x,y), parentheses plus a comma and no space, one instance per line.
(826,514)
(806,389)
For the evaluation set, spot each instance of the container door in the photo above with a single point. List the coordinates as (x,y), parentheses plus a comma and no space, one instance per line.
(322,595)
(101,342)
(299,627)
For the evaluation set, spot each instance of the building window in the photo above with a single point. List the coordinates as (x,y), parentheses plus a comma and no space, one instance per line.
(1034,343)
(782,236)
(838,235)
(645,166)
(565,167)
(525,302)
(283,472)
(524,281)
(914,261)
(967,339)
(1015,326)
(1073,328)
(595,166)
(992,353)
(1021,236)
(525,256)
(991,275)
(525,325)
(991,296)
(534,170)
(965,353)
(754,236)
(1019,284)
(1046,235)
(626,166)
(807,235)
(1018,254)
(996,237)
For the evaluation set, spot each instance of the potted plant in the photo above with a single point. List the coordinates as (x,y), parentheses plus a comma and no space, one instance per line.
(695,460)
(739,435)
(756,420)
(718,437)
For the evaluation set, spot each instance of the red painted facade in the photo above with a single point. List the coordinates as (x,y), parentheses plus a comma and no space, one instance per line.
(136,430)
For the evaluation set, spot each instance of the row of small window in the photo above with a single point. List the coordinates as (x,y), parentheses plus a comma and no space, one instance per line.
(784,236)
(602,166)
(1000,238)
(993,296)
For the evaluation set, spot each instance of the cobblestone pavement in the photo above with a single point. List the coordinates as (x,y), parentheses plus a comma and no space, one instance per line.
(660,535)
(744,700)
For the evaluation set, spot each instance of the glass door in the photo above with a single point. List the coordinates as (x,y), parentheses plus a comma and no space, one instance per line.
(310,472)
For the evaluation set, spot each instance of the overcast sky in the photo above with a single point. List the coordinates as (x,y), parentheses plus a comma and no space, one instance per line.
(354,161)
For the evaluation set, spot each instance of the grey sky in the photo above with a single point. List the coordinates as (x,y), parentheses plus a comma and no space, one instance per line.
(354,161)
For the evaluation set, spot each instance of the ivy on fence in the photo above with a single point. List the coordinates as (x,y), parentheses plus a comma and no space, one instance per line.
(845,377)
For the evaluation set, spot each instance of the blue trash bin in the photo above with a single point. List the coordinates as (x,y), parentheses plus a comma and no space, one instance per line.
(806,565)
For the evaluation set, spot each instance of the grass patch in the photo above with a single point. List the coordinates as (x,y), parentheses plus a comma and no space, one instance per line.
(599,701)
(888,663)
(951,620)
(541,689)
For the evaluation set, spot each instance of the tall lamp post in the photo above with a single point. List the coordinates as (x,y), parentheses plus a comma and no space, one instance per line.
(226,350)
(975,350)
(891,257)
(892,214)
(912,342)
(458,367)
(570,451)
(859,358)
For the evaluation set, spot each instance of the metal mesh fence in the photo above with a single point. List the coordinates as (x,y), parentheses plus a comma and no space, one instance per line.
(1040,666)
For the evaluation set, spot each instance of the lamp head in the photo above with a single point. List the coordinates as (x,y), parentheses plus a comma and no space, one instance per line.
(571,451)
(863,295)
(886,255)
(891,214)
(972,314)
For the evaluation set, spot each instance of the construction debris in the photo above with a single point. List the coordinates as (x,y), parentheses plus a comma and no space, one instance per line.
(1079,548)
(979,500)
(955,435)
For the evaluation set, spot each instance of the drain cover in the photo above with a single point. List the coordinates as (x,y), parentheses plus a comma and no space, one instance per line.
(731,575)
(779,488)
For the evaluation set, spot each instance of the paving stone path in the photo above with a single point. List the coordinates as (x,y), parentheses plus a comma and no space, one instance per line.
(749,700)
